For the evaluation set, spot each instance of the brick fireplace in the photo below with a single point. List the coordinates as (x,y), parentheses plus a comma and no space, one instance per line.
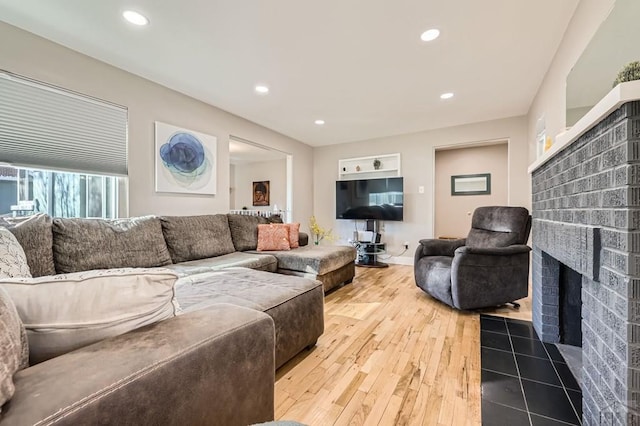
(586,218)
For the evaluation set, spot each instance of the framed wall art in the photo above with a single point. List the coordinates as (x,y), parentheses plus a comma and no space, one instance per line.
(261,191)
(478,184)
(185,160)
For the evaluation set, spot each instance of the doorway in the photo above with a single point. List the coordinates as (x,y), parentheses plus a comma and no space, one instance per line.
(453,212)
(257,167)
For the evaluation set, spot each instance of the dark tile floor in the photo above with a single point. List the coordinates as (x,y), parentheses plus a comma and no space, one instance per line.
(524,381)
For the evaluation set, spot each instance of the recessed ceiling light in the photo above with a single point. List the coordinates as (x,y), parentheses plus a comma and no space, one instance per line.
(262,89)
(448,95)
(319,122)
(135,18)
(430,35)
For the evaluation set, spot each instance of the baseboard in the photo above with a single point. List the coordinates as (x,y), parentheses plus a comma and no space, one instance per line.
(398,260)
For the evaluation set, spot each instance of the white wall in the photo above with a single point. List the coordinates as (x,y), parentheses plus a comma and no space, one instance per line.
(417,157)
(550,100)
(32,56)
(245,174)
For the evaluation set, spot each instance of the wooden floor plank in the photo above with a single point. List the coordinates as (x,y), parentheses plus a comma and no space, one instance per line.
(390,355)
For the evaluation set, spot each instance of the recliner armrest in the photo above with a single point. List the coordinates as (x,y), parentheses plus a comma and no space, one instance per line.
(494,251)
(482,277)
(435,247)
(212,365)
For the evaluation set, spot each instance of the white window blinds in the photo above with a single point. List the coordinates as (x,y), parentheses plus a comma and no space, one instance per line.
(47,127)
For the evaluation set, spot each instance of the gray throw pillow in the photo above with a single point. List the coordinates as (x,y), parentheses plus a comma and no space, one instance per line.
(244,231)
(35,236)
(14,348)
(197,237)
(85,244)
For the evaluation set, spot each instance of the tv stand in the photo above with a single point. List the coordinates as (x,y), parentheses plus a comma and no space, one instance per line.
(368,254)
(368,251)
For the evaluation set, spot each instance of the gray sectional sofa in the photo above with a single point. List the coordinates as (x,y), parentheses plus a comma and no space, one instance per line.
(222,290)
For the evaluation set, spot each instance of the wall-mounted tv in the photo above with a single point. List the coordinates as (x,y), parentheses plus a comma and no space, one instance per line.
(380,199)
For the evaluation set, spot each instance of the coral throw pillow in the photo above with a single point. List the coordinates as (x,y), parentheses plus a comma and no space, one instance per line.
(273,237)
(294,234)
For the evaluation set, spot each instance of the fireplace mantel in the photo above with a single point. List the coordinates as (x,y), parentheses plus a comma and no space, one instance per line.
(622,93)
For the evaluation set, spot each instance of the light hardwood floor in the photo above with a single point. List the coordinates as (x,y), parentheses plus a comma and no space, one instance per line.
(389,355)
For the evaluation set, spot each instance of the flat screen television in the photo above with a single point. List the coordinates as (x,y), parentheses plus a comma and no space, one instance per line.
(380,199)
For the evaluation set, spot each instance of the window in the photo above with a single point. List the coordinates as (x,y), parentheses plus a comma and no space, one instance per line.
(64,152)
(29,191)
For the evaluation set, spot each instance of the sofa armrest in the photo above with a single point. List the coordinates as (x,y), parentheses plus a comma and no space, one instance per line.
(303,239)
(215,364)
(436,247)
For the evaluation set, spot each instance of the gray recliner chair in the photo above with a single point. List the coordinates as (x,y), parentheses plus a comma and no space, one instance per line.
(488,268)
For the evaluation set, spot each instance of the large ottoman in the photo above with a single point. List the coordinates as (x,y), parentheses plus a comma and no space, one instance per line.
(331,265)
(296,304)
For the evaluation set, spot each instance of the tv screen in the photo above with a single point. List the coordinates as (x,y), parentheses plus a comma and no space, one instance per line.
(380,199)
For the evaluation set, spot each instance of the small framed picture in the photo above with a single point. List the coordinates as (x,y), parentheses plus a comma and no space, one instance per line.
(261,193)
(479,184)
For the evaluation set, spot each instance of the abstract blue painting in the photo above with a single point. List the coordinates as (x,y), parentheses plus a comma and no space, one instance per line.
(185,160)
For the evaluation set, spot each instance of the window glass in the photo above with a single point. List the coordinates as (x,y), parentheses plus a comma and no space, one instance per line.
(28,191)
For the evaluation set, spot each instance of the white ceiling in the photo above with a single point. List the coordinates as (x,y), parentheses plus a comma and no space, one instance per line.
(359,64)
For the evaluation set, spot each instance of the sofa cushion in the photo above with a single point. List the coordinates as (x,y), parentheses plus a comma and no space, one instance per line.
(236,259)
(14,348)
(314,259)
(295,304)
(197,237)
(85,244)
(13,261)
(35,236)
(273,237)
(64,312)
(244,231)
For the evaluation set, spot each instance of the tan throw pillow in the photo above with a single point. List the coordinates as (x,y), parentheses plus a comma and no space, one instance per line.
(273,237)
(294,234)
(13,261)
(14,349)
(65,312)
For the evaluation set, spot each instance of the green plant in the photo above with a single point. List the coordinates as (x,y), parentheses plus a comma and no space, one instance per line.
(630,72)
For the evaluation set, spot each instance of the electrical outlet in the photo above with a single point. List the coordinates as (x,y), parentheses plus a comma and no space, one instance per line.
(406,245)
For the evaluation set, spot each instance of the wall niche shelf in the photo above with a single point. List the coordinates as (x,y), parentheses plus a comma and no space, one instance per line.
(363,168)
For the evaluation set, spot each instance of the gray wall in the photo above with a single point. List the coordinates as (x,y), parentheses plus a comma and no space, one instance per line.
(245,174)
(32,56)
(550,101)
(417,157)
